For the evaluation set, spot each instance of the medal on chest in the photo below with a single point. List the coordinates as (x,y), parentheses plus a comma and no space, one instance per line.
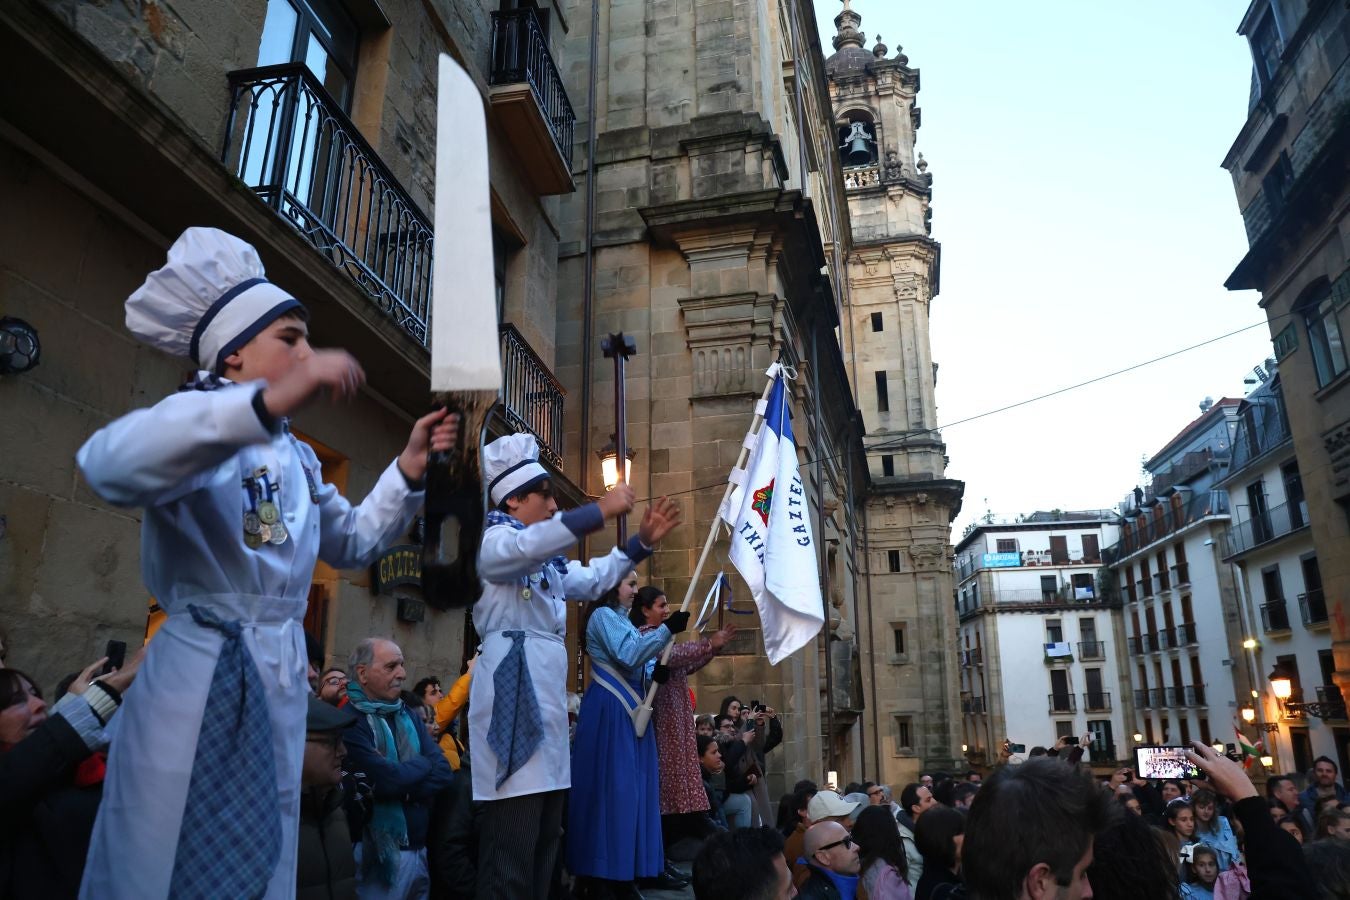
(262,512)
(526,591)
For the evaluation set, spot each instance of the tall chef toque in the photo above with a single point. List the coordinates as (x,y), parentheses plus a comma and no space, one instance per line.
(208,300)
(510,465)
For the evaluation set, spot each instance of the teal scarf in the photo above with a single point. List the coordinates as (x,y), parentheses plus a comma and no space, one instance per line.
(387,833)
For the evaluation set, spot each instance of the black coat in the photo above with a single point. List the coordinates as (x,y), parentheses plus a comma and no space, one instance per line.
(326,867)
(45,820)
(1274,859)
(452,842)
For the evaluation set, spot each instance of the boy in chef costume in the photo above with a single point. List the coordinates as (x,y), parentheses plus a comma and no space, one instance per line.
(203,786)
(518,731)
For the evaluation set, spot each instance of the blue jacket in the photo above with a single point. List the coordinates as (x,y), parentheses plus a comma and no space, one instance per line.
(1224,842)
(415,781)
(1308,799)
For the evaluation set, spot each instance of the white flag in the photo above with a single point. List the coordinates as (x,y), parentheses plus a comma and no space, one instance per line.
(771,541)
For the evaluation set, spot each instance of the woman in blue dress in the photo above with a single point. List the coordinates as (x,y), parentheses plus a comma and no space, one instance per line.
(614,814)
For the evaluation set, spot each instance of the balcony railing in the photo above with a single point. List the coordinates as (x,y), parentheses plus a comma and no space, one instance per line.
(1252,531)
(1312,606)
(1148,643)
(531,395)
(1174,696)
(1096,701)
(971,658)
(1063,703)
(1142,530)
(1181,574)
(1132,645)
(1157,698)
(1164,639)
(1104,756)
(1195,695)
(973,705)
(1142,699)
(1091,650)
(1275,615)
(520,55)
(1184,634)
(289,141)
(862,176)
(1161,581)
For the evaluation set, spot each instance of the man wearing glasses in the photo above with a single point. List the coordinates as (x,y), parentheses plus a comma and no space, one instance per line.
(326,865)
(832,858)
(333,687)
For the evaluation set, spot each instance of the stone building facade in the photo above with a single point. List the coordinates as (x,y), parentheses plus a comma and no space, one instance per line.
(306,127)
(892,278)
(1289,174)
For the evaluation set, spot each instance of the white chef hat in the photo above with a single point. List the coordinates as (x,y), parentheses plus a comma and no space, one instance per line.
(209,300)
(511,464)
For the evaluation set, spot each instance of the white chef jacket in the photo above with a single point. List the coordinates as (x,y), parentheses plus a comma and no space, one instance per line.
(184,461)
(509,558)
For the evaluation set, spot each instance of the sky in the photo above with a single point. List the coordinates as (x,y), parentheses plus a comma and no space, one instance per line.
(1086,225)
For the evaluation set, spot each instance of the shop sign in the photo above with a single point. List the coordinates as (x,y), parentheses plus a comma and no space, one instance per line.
(399,565)
(1001,560)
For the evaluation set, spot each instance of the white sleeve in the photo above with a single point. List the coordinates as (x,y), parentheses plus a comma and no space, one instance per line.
(352,536)
(151,456)
(604,572)
(508,553)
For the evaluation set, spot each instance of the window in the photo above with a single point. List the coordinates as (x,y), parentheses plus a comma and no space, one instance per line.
(1054,631)
(1275,183)
(904,737)
(1049,587)
(319,33)
(899,634)
(1271,585)
(876,321)
(1059,549)
(1205,737)
(1185,730)
(1324,336)
(888,465)
(1266,47)
(893,560)
(1087,631)
(540,13)
(1293,494)
(1083,588)
(1259,515)
(1103,740)
(1007,545)
(1064,729)
(883,401)
(1091,550)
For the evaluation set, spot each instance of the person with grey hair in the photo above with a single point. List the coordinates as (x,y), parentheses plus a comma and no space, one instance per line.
(406,769)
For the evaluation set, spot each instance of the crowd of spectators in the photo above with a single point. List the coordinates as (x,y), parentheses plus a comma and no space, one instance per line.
(387,810)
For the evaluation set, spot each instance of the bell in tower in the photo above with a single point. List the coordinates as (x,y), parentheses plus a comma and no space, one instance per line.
(858,145)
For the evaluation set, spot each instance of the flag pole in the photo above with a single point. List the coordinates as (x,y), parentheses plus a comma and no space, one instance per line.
(643,714)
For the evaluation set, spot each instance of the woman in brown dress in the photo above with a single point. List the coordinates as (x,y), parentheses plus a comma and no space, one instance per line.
(684,803)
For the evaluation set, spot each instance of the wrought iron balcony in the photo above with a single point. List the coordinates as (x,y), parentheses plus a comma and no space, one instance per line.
(1157,698)
(1275,615)
(1254,530)
(1195,695)
(1096,701)
(1185,634)
(529,99)
(289,141)
(1132,645)
(973,706)
(1091,650)
(531,396)
(1163,639)
(1142,699)
(1063,703)
(1174,696)
(1312,607)
(1181,574)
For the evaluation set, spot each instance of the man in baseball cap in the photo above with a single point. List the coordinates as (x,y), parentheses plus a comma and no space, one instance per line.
(326,865)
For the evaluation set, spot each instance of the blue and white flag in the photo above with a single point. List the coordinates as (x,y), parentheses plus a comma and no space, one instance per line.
(771,541)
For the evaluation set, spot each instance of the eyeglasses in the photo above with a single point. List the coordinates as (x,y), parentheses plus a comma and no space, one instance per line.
(874,793)
(331,740)
(847,842)
(336,680)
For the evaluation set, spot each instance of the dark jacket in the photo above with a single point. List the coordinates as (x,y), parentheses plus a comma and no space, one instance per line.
(817,886)
(1274,859)
(738,759)
(452,844)
(47,820)
(326,868)
(1308,799)
(414,781)
(936,884)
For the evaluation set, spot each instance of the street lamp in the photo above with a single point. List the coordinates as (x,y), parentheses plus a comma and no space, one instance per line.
(1268,761)
(1249,714)
(1281,682)
(609,465)
(1138,738)
(1330,706)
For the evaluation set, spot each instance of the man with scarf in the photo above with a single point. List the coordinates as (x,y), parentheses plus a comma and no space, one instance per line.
(406,770)
(517,701)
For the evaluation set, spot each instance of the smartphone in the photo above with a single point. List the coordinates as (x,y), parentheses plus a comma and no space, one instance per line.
(1164,761)
(1017,748)
(756,706)
(116,651)
(1071,740)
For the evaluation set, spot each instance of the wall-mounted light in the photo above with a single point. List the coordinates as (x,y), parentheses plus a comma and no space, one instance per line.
(1248,714)
(1249,644)
(1138,738)
(1281,682)
(20,348)
(1268,761)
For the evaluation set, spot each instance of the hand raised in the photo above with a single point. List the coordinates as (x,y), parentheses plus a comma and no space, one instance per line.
(722,637)
(334,371)
(1227,776)
(659,519)
(436,431)
(618,502)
